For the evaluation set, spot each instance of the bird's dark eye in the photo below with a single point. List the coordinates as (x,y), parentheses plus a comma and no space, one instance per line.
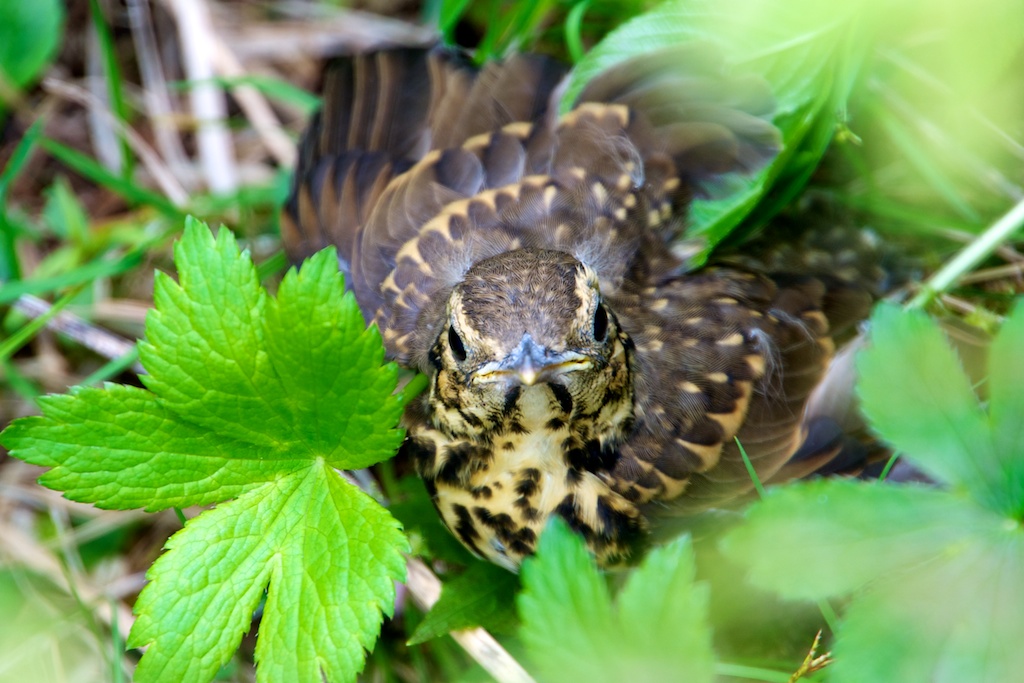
(455,342)
(600,323)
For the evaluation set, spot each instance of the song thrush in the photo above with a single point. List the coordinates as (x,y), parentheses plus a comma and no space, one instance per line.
(534,267)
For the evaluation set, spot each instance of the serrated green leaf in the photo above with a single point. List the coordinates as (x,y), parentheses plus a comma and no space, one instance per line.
(256,399)
(657,630)
(917,397)
(565,608)
(347,414)
(120,448)
(483,595)
(663,614)
(823,538)
(330,556)
(1006,409)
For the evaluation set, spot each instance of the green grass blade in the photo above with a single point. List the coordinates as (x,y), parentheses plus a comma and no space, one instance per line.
(574,30)
(95,172)
(112,368)
(20,156)
(93,270)
(10,345)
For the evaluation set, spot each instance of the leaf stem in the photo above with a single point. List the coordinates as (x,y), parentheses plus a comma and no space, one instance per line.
(971,256)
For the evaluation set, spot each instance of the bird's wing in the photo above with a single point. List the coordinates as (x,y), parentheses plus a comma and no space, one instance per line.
(723,354)
(503,172)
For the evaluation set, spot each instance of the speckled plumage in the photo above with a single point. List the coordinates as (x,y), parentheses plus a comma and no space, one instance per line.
(534,267)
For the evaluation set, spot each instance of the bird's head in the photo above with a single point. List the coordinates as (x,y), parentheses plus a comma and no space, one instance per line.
(527,331)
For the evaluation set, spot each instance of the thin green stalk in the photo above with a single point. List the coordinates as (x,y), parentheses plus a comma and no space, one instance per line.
(973,254)
(750,469)
(117,645)
(90,272)
(888,466)
(411,390)
(829,614)
(574,30)
(21,385)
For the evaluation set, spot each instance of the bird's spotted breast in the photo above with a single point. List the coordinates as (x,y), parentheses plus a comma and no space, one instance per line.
(497,491)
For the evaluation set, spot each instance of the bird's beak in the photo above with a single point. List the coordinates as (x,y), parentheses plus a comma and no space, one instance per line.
(530,363)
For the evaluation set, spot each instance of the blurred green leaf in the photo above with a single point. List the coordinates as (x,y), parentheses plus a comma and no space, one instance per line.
(954,620)
(419,517)
(932,414)
(64,214)
(657,629)
(1006,408)
(46,635)
(830,537)
(483,595)
(937,576)
(917,397)
(30,33)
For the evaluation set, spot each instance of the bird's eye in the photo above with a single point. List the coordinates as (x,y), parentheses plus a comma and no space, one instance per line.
(457,347)
(600,323)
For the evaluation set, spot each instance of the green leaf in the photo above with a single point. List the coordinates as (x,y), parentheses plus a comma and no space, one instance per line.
(936,575)
(64,214)
(1006,409)
(917,397)
(48,635)
(483,595)
(951,621)
(663,614)
(329,555)
(822,538)
(657,629)
(29,37)
(565,608)
(258,400)
(412,506)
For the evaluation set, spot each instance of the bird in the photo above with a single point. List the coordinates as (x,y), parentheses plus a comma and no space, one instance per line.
(536,266)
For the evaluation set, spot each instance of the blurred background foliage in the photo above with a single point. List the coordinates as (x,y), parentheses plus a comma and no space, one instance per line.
(118,117)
